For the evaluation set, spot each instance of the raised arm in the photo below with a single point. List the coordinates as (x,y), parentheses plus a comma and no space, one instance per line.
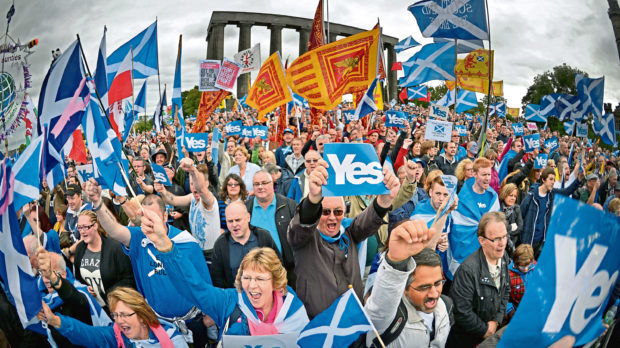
(106,219)
(169,198)
(199,182)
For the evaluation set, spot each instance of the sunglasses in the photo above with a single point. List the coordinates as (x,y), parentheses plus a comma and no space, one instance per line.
(337,212)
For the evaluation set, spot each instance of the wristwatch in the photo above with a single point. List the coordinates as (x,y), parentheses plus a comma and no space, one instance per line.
(58,278)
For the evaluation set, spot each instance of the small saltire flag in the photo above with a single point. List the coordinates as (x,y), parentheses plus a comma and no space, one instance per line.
(532,113)
(465,100)
(458,19)
(144,47)
(405,44)
(590,92)
(367,103)
(447,99)
(463,46)
(569,127)
(337,326)
(417,92)
(177,102)
(269,90)
(158,118)
(101,76)
(15,269)
(498,109)
(605,128)
(140,103)
(433,62)
(28,171)
(477,64)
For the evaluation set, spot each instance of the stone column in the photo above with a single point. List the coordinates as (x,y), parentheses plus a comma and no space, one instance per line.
(333,37)
(215,50)
(245,41)
(304,36)
(275,42)
(391,75)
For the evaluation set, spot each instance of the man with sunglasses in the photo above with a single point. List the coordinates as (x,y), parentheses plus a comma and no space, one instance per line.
(325,246)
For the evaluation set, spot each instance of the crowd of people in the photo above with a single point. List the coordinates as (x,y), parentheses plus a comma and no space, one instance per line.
(243,241)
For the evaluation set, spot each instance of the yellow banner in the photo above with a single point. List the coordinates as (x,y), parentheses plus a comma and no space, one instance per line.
(514,112)
(269,90)
(477,64)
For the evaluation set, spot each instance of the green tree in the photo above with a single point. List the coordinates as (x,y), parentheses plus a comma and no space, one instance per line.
(560,80)
(191,101)
(438,92)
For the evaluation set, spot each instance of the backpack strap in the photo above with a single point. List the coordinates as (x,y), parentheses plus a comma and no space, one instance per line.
(449,308)
(395,328)
(234,316)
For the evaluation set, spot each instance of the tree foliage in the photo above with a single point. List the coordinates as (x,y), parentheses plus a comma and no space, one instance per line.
(191,101)
(560,80)
(438,92)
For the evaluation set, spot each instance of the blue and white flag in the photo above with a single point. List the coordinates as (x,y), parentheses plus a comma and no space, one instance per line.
(567,107)
(547,105)
(606,129)
(354,169)
(463,46)
(392,102)
(517,128)
(259,131)
(395,119)
(101,76)
(29,170)
(432,62)
(144,46)
(349,115)
(590,92)
(215,139)
(160,174)
(582,130)
(540,162)
(498,109)
(140,104)
(405,44)
(451,183)
(446,100)
(367,104)
(158,117)
(438,130)
(531,142)
(15,269)
(465,100)
(461,129)
(551,144)
(337,326)
(532,113)
(417,92)
(196,142)
(234,128)
(469,117)
(569,127)
(574,278)
(130,115)
(457,19)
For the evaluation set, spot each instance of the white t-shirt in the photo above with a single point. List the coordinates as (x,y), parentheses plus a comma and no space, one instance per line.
(204,224)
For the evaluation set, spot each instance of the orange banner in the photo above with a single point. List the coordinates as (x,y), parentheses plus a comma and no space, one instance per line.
(209,101)
(477,64)
(269,90)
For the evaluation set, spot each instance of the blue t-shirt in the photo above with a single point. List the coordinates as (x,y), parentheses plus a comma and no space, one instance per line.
(151,277)
(539,229)
(266,219)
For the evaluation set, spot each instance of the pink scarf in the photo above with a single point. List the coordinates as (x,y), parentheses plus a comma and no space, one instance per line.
(266,327)
(159,332)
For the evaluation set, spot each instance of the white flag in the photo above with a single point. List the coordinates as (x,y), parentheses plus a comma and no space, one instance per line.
(249,59)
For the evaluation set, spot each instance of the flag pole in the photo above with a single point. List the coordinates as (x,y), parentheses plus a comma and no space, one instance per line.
(366,315)
(37,223)
(6,35)
(158,78)
(327,7)
(482,136)
(133,101)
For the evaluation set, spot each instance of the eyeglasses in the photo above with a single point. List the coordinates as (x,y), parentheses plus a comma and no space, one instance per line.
(264,183)
(497,240)
(259,280)
(427,287)
(232,184)
(121,315)
(310,160)
(84,228)
(337,212)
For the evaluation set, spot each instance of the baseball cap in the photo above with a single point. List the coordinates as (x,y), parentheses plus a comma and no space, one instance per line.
(74,189)
(591,176)
(419,160)
(287,130)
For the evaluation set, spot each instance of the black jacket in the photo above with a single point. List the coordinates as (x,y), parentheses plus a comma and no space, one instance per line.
(513,216)
(115,266)
(445,166)
(477,300)
(221,274)
(285,211)
(75,305)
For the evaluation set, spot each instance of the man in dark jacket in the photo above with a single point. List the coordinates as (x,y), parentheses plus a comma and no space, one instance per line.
(326,256)
(447,162)
(273,213)
(481,286)
(231,247)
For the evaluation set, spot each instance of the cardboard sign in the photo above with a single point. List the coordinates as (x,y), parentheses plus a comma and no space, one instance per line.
(451,183)
(532,126)
(551,144)
(461,129)
(209,69)
(438,130)
(160,174)
(541,161)
(517,129)
(395,119)
(582,130)
(227,75)
(196,142)
(438,112)
(234,128)
(259,131)
(349,115)
(531,142)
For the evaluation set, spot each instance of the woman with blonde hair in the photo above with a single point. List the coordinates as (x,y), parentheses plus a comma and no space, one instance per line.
(509,206)
(135,325)
(464,170)
(243,168)
(99,261)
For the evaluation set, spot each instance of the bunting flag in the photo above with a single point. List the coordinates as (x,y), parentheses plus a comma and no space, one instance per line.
(605,128)
(324,74)
(514,112)
(590,93)
(457,19)
(209,101)
(477,64)
(532,113)
(463,46)
(269,90)
(432,62)
(405,44)
(465,100)
(145,62)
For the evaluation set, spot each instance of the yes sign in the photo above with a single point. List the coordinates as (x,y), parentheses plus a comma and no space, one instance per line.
(234,128)
(518,129)
(532,142)
(551,144)
(196,142)
(395,119)
(160,174)
(354,169)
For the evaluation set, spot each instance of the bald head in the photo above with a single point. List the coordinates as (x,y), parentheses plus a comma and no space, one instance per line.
(238,221)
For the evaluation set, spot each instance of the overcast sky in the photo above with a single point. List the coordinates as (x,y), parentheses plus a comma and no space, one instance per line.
(528,36)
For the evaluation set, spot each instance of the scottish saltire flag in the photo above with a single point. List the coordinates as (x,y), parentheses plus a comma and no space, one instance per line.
(101,76)
(15,268)
(177,103)
(337,326)
(405,44)
(29,173)
(605,128)
(158,117)
(574,279)
(463,239)
(567,107)
(547,105)
(105,149)
(446,100)
(59,86)
(144,47)
(590,92)
(465,100)
(463,46)
(458,19)
(215,138)
(432,62)
(139,105)
(498,109)
(130,116)
(417,92)
(367,104)
(532,113)
(569,127)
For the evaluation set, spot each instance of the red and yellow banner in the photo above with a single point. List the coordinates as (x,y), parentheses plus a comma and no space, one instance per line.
(477,64)
(269,90)
(324,74)
(209,101)
(478,85)
(514,112)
